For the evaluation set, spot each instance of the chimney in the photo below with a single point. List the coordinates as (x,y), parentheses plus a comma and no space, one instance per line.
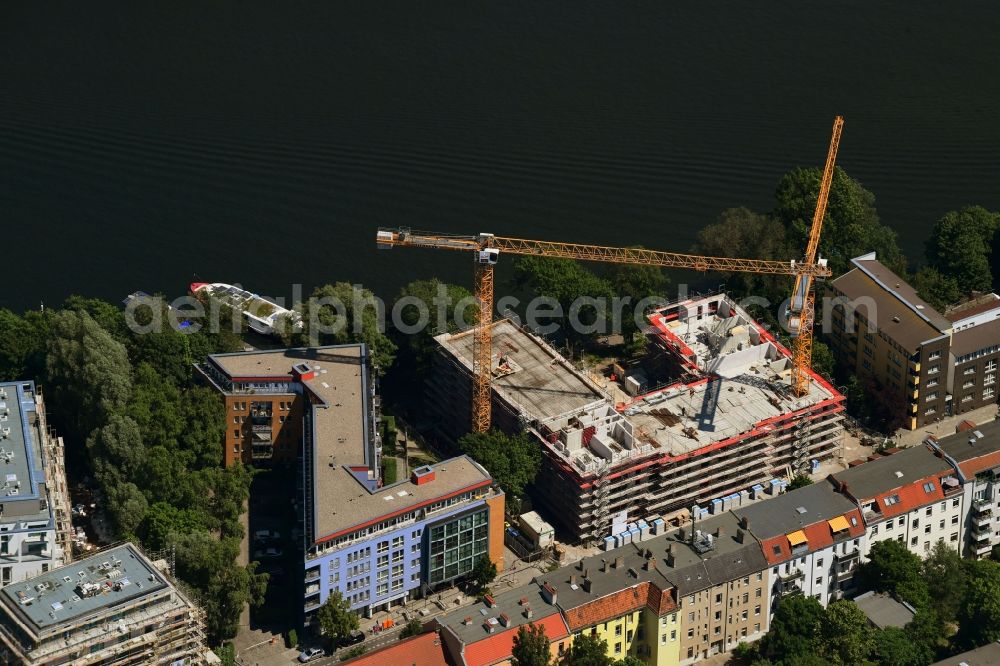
(604,565)
(523,601)
(745,523)
(467,621)
(550,594)
(489,600)
(739,536)
(670,556)
(504,619)
(586,573)
(528,613)
(619,562)
(572,579)
(718,533)
(488,626)
(650,564)
(586,585)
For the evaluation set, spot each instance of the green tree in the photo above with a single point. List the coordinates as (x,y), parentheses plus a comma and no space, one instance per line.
(571,285)
(634,283)
(126,505)
(89,375)
(413,628)
(163,520)
(108,316)
(845,634)
(116,450)
(155,406)
(936,288)
(531,646)
(335,617)
(587,650)
(22,345)
(442,315)
(800,481)
(926,633)
(889,568)
(342,313)
(893,647)
(205,426)
(851,227)
(629,660)
(979,612)
(794,629)
(823,361)
(512,460)
(743,234)
(960,247)
(945,578)
(483,573)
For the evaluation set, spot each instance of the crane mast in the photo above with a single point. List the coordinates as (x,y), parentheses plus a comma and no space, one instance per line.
(486,248)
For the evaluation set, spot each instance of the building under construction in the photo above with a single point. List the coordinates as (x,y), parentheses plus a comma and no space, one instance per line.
(729,429)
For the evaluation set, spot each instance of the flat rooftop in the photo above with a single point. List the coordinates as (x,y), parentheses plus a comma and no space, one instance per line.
(898,311)
(338,380)
(686,417)
(884,611)
(795,510)
(85,588)
(21,478)
(894,471)
(527,373)
(973,453)
(512,603)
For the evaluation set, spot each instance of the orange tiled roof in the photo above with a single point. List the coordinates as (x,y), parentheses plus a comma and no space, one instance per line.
(819,535)
(975,465)
(494,648)
(607,607)
(423,650)
(911,496)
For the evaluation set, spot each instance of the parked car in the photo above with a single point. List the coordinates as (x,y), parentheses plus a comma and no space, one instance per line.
(266,535)
(310,653)
(353,639)
(267,552)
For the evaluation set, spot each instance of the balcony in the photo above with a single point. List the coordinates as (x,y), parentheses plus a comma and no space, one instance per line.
(982,506)
(312,574)
(311,605)
(981,549)
(981,532)
(982,519)
(312,589)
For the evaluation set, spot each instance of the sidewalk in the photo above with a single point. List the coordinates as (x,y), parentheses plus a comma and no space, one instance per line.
(945,427)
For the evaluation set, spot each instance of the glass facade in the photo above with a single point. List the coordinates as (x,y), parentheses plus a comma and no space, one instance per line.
(456,546)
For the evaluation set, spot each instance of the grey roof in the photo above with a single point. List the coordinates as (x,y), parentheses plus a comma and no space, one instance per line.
(22,476)
(508,603)
(784,514)
(987,655)
(121,574)
(894,299)
(691,571)
(884,611)
(970,340)
(958,447)
(880,476)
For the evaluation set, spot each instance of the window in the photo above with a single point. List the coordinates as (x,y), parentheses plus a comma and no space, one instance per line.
(760,576)
(933,356)
(934,369)
(690,633)
(746,597)
(718,615)
(989,393)
(718,598)
(916,523)
(618,630)
(890,500)
(929,488)
(382,590)
(397,584)
(756,610)
(718,630)
(618,647)
(927,529)
(954,520)
(673,635)
(954,537)
(955,502)
(913,541)
(902,520)
(756,594)
(691,617)
(383,561)
(383,547)
(743,616)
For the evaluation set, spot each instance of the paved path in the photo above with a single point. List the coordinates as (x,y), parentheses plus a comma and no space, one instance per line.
(946,426)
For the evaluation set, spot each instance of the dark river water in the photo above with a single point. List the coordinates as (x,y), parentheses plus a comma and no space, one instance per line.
(145,143)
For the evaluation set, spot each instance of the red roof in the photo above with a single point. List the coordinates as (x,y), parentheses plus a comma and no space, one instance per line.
(423,650)
(608,607)
(819,535)
(911,496)
(495,648)
(973,466)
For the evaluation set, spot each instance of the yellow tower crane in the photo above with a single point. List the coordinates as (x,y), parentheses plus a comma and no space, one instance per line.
(486,248)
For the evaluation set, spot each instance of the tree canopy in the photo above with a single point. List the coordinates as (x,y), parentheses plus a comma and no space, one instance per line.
(512,460)
(342,313)
(960,247)
(531,646)
(586,650)
(335,617)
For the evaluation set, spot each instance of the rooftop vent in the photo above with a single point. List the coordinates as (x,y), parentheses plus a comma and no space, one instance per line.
(800,509)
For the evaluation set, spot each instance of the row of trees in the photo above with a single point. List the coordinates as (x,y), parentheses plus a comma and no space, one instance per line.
(150,439)
(957,604)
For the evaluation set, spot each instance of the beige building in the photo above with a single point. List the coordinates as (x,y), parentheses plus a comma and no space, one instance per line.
(115,608)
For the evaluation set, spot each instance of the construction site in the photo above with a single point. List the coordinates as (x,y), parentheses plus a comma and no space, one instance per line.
(729,429)
(740,413)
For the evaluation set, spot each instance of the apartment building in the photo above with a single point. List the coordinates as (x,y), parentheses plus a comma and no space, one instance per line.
(35,522)
(378,544)
(923,363)
(732,425)
(483,634)
(812,538)
(913,496)
(974,453)
(115,608)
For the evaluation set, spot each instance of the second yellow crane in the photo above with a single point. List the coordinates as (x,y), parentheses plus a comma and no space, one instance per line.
(486,249)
